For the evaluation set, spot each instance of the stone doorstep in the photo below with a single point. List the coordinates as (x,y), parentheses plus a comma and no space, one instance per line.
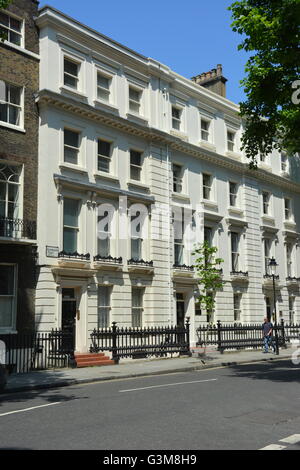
(92,360)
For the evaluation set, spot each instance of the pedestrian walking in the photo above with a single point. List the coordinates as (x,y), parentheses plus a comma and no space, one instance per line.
(267,328)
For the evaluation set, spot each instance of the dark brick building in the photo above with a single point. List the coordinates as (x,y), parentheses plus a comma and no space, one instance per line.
(19,81)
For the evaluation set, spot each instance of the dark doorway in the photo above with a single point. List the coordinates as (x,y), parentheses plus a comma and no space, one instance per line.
(180,309)
(268,308)
(68,319)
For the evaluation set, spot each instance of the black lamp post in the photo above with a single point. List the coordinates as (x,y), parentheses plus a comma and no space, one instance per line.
(273,265)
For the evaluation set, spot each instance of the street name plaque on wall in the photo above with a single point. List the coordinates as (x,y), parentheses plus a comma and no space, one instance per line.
(52,251)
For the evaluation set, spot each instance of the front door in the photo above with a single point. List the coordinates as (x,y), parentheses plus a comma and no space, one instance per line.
(180,309)
(68,320)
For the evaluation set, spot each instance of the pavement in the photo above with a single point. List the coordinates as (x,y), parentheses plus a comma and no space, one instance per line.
(47,379)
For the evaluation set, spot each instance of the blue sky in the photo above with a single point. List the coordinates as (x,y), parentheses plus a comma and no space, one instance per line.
(191,36)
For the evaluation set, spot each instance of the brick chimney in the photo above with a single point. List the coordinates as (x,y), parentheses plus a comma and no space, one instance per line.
(212,80)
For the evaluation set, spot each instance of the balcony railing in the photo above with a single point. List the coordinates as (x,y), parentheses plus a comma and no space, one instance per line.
(239,273)
(183,267)
(140,262)
(17,228)
(270,276)
(108,259)
(74,255)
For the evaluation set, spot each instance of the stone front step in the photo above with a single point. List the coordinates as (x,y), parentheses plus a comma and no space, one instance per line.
(92,360)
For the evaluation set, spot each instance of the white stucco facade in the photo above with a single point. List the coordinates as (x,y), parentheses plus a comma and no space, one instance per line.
(132,107)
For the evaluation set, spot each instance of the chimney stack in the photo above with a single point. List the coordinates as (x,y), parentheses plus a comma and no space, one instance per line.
(212,80)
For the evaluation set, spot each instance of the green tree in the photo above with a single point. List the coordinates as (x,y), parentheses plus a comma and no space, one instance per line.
(209,275)
(271,111)
(3,4)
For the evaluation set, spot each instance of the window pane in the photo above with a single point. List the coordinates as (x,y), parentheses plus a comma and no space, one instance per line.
(6,312)
(136,248)
(175,113)
(103,296)
(103,94)
(103,164)
(15,24)
(135,158)
(178,254)
(70,240)
(3,112)
(104,148)
(14,115)
(104,246)
(134,94)
(103,317)
(7,280)
(71,156)
(15,38)
(135,173)
(14,94)
(137,297)
(71,138)
(71,212)
(4,19)
(70,67)
(70,81)
(103,81)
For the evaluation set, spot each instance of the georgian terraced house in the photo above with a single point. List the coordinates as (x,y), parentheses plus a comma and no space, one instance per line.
(122,135)
(19,81)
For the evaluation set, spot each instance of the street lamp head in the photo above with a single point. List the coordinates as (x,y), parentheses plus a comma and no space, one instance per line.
(273,265)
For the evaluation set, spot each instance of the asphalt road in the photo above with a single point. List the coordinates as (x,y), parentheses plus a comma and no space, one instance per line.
(245,407)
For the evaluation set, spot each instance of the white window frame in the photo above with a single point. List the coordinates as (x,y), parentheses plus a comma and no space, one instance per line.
(78,149)
(267,253)
(210,188)
(107,308)
(208,131)
(139,103)
(289,259)
(178,181)
(20,126)
(178,120)
(234,195)
(284,163)
(140,167)
(80,61)
(235,255)
(266,204)
(108,90)
(140,308)
(231,143)
(21,33)
(237,310)
(289,210)
(12,328)
(77,228)
(20,185)
(110,158)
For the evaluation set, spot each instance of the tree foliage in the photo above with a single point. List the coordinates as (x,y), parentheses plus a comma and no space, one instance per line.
(3,4)
(271,31)
(208,274)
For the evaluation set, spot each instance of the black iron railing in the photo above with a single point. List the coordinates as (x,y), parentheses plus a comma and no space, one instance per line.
(38,351)
(141,342)
(270,276)
(183,267)
(74,255)
(140,262)
(17,228)
(240,336)
(239,273)
(108,259)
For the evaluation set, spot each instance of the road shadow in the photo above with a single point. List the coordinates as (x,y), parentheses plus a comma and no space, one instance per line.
(47,390)
(274,370)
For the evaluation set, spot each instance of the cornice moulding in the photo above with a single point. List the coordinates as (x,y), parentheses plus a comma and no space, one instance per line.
(47,97)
